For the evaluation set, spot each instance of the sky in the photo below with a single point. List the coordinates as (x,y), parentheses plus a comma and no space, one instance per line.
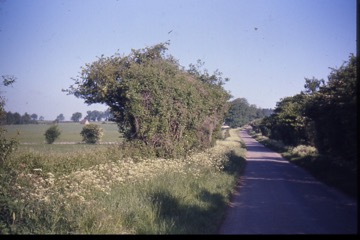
(265,47)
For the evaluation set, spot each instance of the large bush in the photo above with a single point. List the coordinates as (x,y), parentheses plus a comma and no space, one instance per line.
(155,101)
(51,134)
(91,133)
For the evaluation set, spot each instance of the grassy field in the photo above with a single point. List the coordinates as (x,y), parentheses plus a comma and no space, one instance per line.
(70,133)
(95,190)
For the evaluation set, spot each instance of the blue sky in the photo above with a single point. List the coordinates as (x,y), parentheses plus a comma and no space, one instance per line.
(265,47)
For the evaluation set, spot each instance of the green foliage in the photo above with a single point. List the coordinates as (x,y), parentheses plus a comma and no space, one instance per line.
(288,123)
(15,118)
(241,113)
(76,116)
(6,146)
(155,101)
(333,109)
(323,116)
(60,117)
(96,192)
(91,133)
(51,134)
(313,85)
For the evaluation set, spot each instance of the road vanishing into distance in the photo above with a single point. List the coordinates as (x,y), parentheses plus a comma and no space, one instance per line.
(276,197)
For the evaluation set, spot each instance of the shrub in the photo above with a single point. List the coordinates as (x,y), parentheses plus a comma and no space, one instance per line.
(91,133)
(6,146)
(52,133)
(303,150)
(155,100)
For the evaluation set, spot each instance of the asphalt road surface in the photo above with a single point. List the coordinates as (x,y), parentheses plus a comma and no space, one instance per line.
(277,197)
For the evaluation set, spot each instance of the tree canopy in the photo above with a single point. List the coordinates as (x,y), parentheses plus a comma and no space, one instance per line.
(241,113)
(154,100)
(76,116)
(324,115)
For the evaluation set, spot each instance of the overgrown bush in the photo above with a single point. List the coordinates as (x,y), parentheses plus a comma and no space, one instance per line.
(6,146)
(91,133)
(51,134)
(156,101)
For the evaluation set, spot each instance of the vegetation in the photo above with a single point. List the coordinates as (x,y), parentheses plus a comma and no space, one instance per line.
(103,192)
(51,134)
(7,146)
(98,115)
(60,118)
(76,116)
(91,133)
(241,113)
(323,117)
(157,104)
(324,168)
(16,118)
(32,135)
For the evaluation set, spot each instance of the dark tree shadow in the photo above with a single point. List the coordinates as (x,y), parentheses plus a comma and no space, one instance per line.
(186,218)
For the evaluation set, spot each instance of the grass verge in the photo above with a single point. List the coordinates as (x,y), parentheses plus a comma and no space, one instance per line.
(104,192)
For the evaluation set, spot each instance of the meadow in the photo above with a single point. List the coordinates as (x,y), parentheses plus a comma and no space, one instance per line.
(96,189)
(70,133)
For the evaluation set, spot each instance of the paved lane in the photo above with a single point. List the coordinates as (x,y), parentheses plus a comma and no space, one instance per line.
(277,197)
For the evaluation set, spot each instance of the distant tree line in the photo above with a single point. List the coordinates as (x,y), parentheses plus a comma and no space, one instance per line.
(10,118)
(324,115)
(241,113)
(93,116)
(98,115)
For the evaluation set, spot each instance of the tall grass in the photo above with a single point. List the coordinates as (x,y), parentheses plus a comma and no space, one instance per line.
(105,192)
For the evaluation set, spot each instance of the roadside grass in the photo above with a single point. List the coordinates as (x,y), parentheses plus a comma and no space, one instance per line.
(326,169)
(101,191)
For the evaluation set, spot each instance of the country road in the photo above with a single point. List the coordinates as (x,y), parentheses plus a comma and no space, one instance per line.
(277,197)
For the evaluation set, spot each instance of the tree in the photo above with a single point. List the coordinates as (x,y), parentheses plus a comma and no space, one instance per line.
(51,134)
(313,85)
(34,116)
(76,116)
(154,101)
(25,119)
(60,117)
(288,123)
(41,118)
(94,115)
(17,118)
(107,115)
(333,109)
(241,113)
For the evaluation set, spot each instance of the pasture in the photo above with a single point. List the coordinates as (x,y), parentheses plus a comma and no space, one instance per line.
(31,136)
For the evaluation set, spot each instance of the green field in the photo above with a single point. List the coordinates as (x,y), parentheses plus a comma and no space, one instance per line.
(70,133)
